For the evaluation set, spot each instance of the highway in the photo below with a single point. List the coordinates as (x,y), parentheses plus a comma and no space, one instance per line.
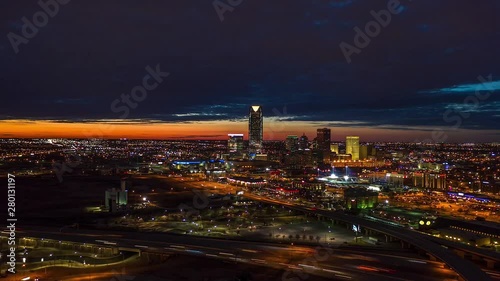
(467,270)
(291,258)
(295,261)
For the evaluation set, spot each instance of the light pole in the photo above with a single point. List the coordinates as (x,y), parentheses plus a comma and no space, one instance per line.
(45,268)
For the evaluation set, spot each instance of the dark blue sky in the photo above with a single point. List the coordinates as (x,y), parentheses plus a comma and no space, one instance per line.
(425,62)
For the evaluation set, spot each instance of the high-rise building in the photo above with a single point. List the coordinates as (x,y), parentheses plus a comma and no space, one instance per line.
(255,129)
(323,139)
(365,151)
(303,142)
(334,147)
(235,143)
(352,146)
(292,143)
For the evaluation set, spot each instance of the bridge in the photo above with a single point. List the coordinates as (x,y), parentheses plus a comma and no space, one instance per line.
(467,270)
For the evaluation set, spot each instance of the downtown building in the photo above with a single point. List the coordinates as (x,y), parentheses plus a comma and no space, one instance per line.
(352,146)
(235,143)
(321,146)
(432,180)
(255,130)
(323,139)
(303,142)
(292,143)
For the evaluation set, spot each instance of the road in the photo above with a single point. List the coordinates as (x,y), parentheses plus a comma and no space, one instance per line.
(341,264)
(466,269)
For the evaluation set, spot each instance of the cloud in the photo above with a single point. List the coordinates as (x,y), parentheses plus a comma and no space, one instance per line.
(199,136)
(420,65)
(467,88)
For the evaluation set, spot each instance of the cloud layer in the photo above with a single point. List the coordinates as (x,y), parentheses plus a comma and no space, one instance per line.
(283,55)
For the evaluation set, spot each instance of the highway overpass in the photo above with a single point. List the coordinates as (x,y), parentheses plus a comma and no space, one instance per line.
(467,270)
(352,264)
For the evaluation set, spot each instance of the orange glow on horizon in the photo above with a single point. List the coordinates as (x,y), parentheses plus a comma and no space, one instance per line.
(215,130)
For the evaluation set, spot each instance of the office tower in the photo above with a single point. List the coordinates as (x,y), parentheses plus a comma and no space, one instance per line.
(235,143)
(352,146)
(255,128)
(334,148)
(292,143)
(323,139)
(365,151)
(303,142)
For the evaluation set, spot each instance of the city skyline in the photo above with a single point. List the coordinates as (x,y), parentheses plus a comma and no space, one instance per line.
(400,87)
(245,140)
(137,130)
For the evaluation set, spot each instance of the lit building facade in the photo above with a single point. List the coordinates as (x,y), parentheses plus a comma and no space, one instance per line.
(352,146)
(255,129)
(429,180)
(303,142)
(357,198)
(114,199)
(235,143)
(334,148)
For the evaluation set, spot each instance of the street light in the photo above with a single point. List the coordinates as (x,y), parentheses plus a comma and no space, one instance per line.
(41,260)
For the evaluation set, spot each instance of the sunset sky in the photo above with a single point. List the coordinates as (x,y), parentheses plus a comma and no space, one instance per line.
(433,68)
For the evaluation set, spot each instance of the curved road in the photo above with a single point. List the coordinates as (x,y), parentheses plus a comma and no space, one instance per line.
(338,264)
(466,269)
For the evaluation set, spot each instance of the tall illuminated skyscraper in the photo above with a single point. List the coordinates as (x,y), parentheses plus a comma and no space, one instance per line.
(255,129)
(352,146)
